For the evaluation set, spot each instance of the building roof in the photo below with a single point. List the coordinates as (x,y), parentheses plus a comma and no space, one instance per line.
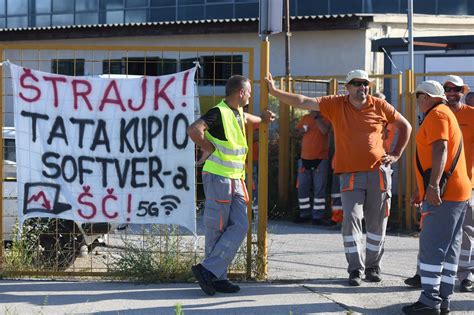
(210,26)
(425,43)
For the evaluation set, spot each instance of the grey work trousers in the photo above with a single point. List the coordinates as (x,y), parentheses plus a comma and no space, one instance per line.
(466,259)
(440,246)
(225,221)
(315,179)
(365,195)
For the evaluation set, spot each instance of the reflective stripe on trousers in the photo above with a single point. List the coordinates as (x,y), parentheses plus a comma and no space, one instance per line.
(314,179)
(466,259)
(365,195)
(440,245)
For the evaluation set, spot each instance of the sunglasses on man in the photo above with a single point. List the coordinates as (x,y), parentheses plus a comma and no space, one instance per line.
(359,83)
(453,89)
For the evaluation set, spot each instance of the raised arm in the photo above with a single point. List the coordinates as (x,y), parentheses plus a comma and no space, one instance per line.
(266,117)
(292,99)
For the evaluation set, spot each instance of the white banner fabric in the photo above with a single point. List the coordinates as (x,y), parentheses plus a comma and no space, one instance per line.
(105,150)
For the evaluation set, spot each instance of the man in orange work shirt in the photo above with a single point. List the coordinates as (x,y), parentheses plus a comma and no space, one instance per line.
(313,167)
(454,89)
(438,144)
(358,120)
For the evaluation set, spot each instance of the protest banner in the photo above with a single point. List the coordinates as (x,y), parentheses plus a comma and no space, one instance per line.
(105,150)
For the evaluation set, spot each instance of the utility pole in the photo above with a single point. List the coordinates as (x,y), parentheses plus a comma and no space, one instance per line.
(284,121)
(270,22)
(410,36)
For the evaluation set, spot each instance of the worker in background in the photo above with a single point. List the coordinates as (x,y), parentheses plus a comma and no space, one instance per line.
(313,168)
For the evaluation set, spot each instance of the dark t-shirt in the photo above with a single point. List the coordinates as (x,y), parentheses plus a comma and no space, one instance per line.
(213,120)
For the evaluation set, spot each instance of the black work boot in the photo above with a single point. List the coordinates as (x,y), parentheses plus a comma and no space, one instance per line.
(204,277)
(372,275)
(414,281)
(420,308)
(354,278)
(225,286)
(465,286)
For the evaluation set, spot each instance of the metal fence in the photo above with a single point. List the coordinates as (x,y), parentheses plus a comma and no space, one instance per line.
(399,90)
(66,248)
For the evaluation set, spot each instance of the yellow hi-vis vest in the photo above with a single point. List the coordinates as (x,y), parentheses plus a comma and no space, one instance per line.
(228,160)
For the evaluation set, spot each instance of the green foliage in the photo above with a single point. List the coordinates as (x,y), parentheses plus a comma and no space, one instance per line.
(178,309)
(42,244)
(22,253)
(159,254)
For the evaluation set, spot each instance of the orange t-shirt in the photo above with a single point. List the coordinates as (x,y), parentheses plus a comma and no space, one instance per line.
(465,117)
(314,145)
(358,133)
(440,123)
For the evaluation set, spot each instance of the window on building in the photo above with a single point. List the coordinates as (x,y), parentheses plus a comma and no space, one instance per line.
(246,10)
(345,7)
(381,6)
(425,6)
(42,20)
(136,3)
(9,152)
(114,17)
(308,7)
(162,3)
(43,6)
(17,7)
(87,5)
(73,67)
(217,69)
(2,8)
(151,66)
(455,7)
(135,16)
(220,11)
(61,5)
(163,14)
(113,4)
(113,66)
(181,2)
(63,19)
(185,64)
(194,12)
(17,21)
(87,18)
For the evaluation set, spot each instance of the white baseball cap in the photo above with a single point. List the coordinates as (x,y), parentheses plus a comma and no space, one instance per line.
(357,74)
(432,88)
(457,81)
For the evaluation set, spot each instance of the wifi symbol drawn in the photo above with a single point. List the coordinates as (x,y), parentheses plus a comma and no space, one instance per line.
(170,203)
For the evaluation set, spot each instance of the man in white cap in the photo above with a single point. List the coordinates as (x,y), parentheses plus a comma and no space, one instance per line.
(454,89)
(443,199)
(358,120)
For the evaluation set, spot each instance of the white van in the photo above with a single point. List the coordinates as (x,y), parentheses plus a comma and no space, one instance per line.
(60,240)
